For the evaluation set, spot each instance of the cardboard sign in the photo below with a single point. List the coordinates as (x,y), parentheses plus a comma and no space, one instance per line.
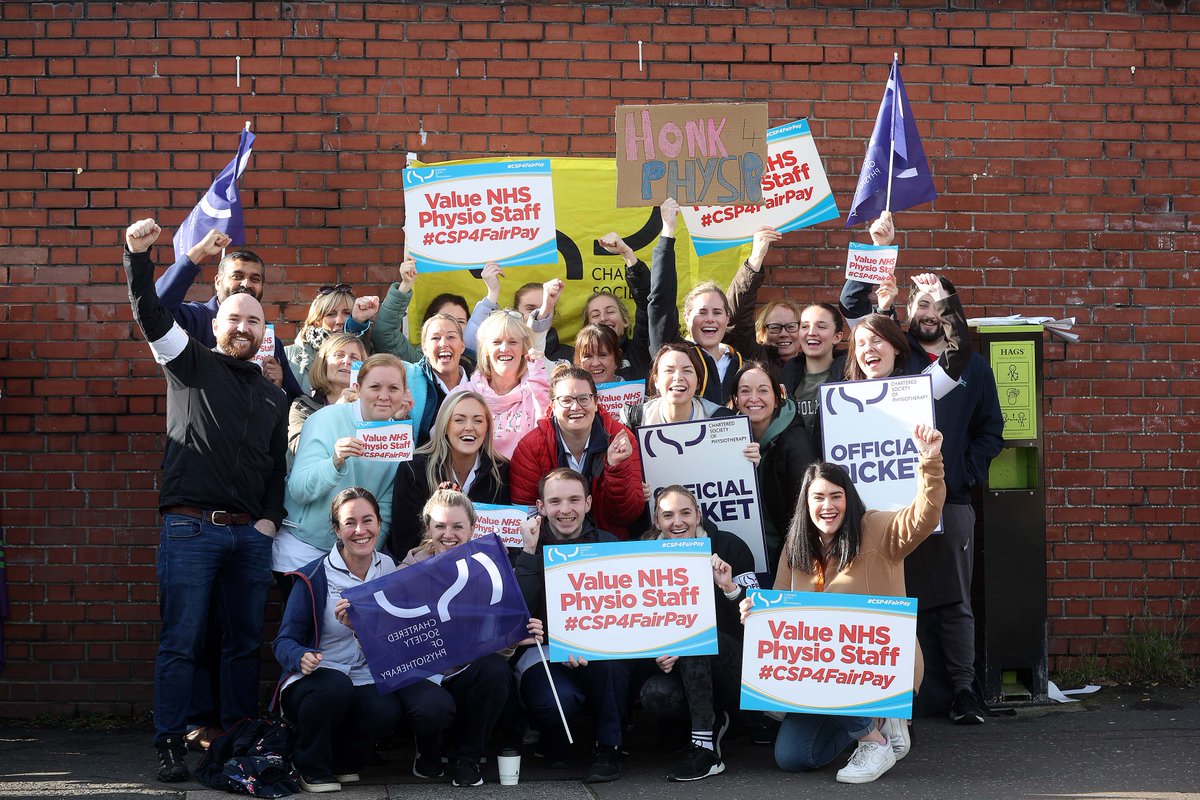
(795,192)
(866,427)
(267,348)
(613,397)
(463,216)
(825,653)
(871,263)
(438,614)
(503,521)
(709,154)
(706,456)
(386,439)
(630,599)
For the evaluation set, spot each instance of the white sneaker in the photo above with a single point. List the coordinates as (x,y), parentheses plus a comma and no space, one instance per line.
(869,761)
(897,732)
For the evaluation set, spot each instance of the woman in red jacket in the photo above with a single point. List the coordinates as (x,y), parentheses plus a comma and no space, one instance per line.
(578,434)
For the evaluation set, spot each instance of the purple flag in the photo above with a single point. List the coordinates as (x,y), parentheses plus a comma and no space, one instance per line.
(895,130)
(438,614)
(221,206)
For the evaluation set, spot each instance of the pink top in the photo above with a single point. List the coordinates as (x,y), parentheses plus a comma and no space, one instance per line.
(516,413)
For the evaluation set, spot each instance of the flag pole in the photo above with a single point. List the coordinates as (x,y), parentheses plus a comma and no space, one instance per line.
(891,138)
(554,691)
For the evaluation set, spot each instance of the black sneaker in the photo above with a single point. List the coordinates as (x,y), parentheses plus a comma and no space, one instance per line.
(697,762)
(965,709)
(171,766)
(764,730)
(466,773)
(605,767)
(427,766)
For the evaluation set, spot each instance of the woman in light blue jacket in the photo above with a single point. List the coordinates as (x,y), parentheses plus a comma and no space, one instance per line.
(329,459)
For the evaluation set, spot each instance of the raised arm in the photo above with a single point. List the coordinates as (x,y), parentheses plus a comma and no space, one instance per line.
(951,364)
(663,307)
(856,295)
(910,526)
(166,338)
(743,296)
(387,334)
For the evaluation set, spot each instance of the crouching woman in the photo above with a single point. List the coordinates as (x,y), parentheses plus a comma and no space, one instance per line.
(327,690)
(836,545)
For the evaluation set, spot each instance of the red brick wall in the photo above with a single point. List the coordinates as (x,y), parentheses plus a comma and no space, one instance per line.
(1068,182)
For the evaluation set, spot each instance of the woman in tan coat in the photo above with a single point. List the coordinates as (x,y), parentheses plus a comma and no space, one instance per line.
(836,545)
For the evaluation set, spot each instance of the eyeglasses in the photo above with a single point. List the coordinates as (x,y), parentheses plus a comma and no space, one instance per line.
(341,288)
(780,327)
(581,400)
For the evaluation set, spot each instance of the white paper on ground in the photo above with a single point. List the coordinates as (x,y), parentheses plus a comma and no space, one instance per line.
(1063,695)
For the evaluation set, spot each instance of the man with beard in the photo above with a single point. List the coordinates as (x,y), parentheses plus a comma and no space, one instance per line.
(239,271)
(938,573)
(221,498)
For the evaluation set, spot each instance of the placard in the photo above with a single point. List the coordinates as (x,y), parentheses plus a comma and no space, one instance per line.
(267,348)
(871,263)
(699,153)
(438,614)
(355,366)
(630,599)
(464,215)
(866,427)
(386,439)
(795,192)
(613,397)
(828,653)
(706,457)
(502,521)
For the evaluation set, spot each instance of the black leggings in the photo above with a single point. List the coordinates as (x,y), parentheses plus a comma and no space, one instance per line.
(337,723)
(697,686)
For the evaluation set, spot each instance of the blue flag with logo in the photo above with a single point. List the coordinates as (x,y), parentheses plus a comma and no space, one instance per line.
(438,614)
(221,206)
(895,131)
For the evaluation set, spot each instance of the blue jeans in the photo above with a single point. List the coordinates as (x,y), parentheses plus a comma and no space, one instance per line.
(602,686)
(810,741)
(199,562)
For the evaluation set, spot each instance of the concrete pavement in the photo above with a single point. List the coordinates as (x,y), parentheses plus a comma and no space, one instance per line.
(1120,744)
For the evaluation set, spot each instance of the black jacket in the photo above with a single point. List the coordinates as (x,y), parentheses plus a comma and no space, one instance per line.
(226,424)
(531,571)
(412,490)
(664,324)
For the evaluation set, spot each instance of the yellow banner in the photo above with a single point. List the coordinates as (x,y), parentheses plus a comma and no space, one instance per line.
(585,191)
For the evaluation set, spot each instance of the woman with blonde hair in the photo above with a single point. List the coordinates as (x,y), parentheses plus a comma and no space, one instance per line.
(329,379)
(459,452)
(511,377)
(465,703)
(329,459)
(327,315)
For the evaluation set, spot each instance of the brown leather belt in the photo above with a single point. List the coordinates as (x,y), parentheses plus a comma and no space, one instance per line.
(212,517)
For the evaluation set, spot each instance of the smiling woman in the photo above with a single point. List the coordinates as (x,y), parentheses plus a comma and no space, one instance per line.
(330,458)
(330,381)
(327,685)
(459,452)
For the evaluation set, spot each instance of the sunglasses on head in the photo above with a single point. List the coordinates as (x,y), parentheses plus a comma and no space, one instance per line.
(343,288)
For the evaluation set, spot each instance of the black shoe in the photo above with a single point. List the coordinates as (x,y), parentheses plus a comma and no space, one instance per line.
(965,709)
(425,766)
(466,773)
(171,766)
(605,767)
(697,762)
(764,730)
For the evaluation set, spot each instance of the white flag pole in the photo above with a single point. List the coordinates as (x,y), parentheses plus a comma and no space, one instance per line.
(554,691)
(892,137)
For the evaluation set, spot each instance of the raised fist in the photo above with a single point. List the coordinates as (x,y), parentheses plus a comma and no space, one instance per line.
(141,234)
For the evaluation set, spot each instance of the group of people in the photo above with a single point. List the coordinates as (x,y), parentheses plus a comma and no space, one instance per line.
(265,482)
